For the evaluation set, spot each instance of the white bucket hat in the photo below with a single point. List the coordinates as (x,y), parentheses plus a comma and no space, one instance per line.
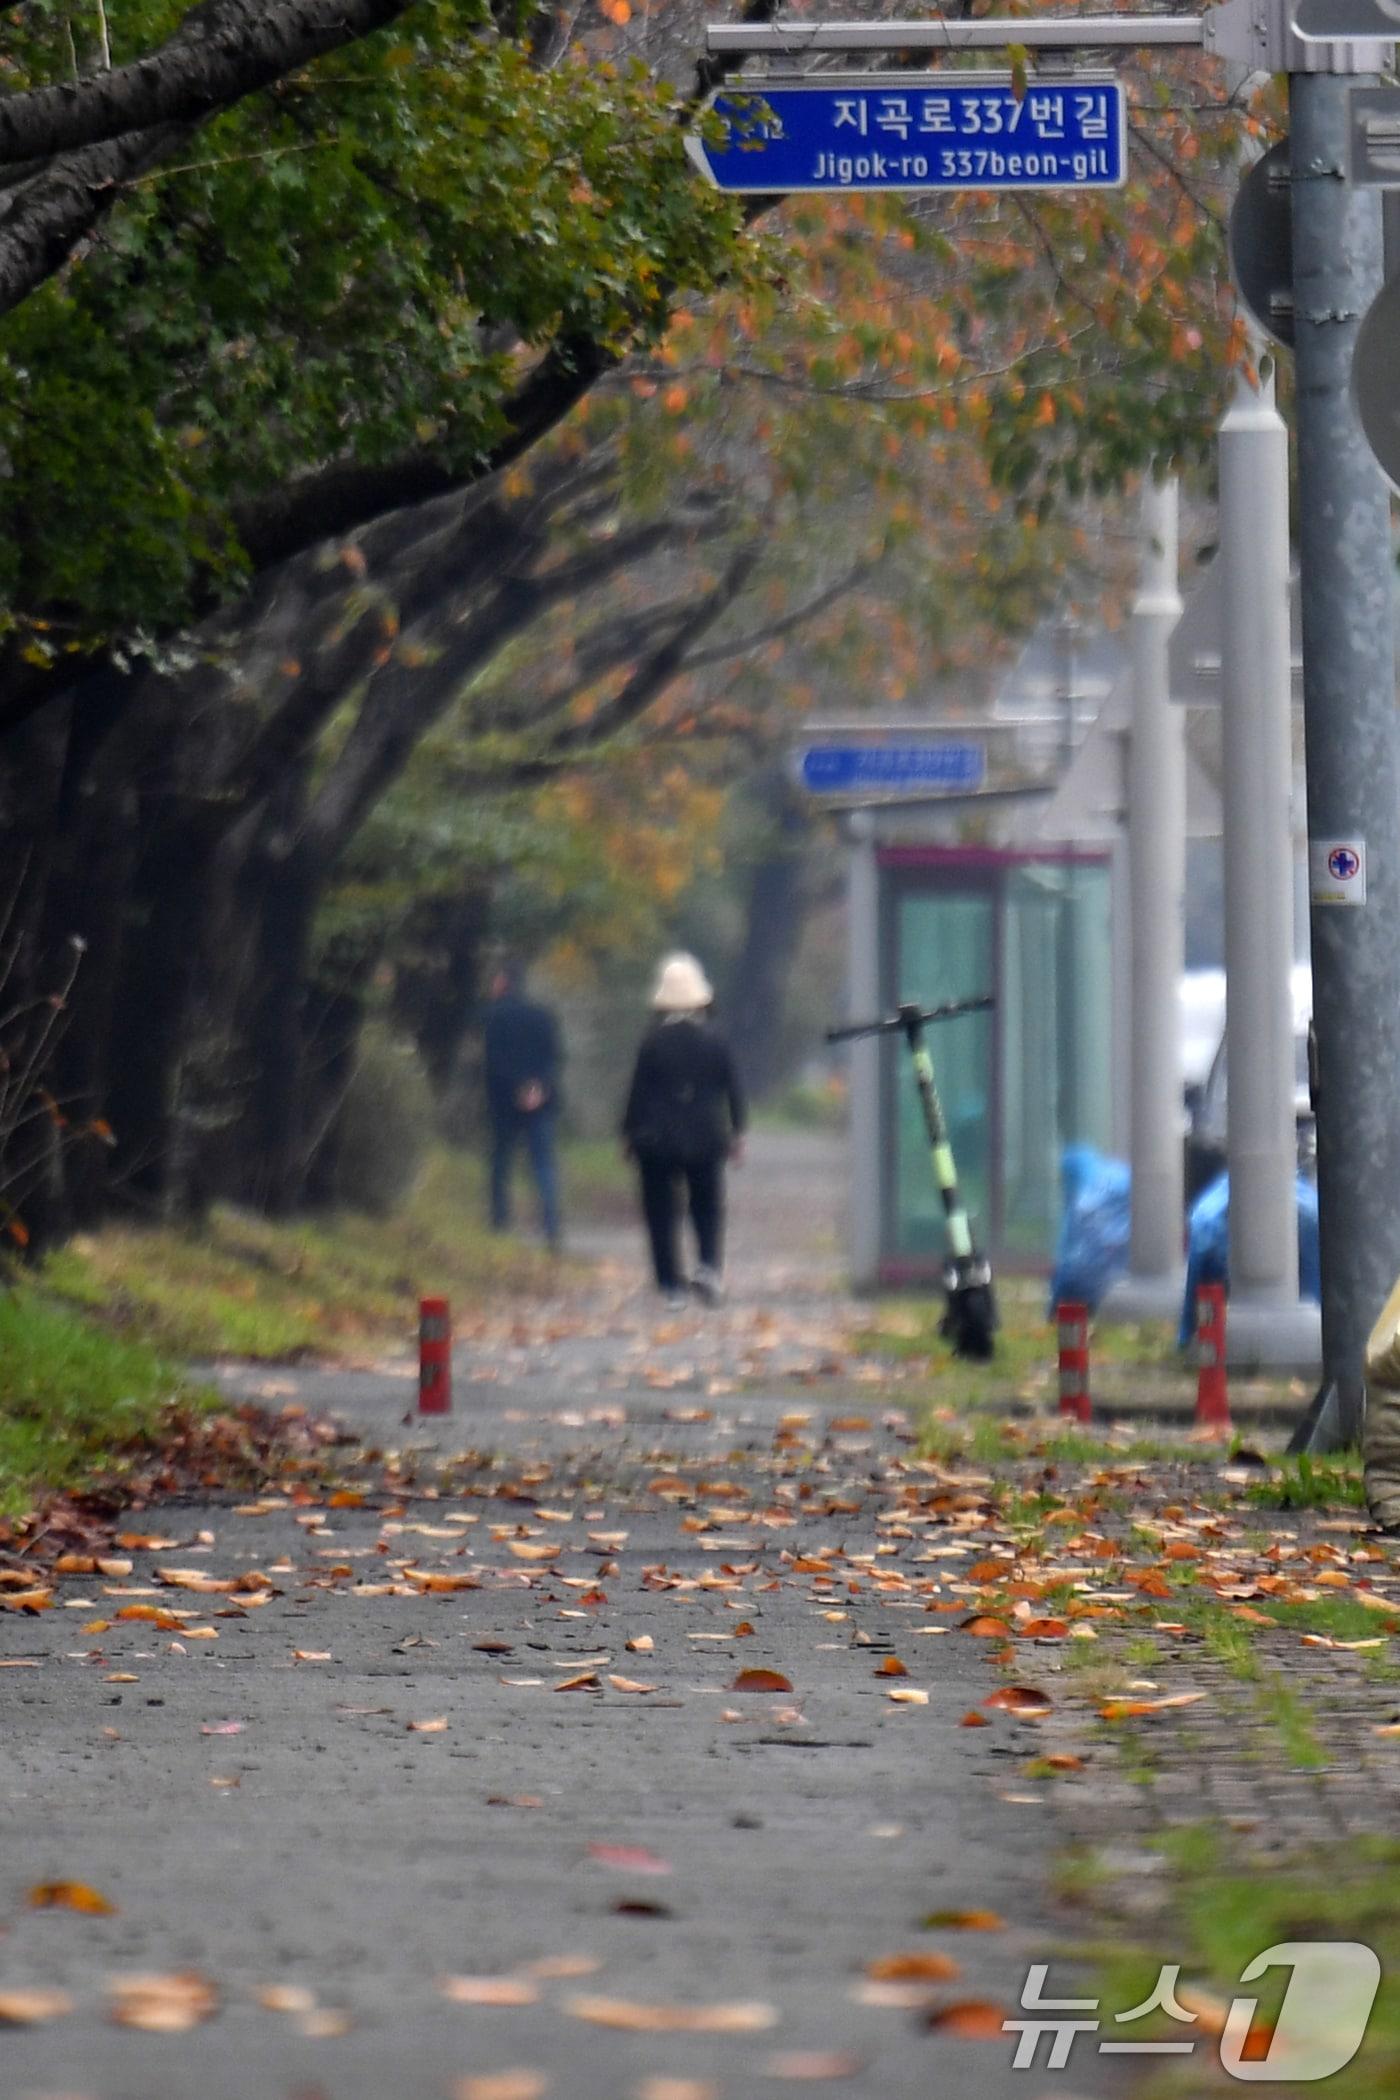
(681,986)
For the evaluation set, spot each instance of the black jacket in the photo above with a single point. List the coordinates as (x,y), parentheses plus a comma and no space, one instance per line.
(685,1102)
(522,1044)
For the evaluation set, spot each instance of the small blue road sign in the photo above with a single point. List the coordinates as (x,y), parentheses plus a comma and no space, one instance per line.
(927,131)
(886,769)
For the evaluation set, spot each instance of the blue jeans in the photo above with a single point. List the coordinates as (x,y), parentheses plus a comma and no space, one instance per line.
(537,1128)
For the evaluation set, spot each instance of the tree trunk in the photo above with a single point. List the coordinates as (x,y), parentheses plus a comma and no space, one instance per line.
(774,923)
(437,989)
(152,1012)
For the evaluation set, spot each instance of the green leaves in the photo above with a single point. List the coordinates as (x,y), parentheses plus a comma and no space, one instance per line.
(351,266)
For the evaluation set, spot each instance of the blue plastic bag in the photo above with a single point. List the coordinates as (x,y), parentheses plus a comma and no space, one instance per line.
(1208,1246)
(1092,1250)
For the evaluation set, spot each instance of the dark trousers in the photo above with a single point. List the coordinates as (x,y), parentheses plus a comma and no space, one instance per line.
(701,1185)
(536,1128)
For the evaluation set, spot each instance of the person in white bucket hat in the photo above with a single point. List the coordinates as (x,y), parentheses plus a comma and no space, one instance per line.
(685,1117)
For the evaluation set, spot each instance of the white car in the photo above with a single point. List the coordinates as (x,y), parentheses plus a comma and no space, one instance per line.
(1209,1109)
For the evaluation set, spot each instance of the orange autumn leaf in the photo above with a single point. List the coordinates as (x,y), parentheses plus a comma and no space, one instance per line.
(29,2008)
(973,1719)
(761,1681)
(71,1895)
(891,1667)
(913,1968)
(972,2020)
(964,1921)
(742,2017)
(1020,1699)
(162,2004)
(985,1628)
(424,1579)
(1129,1709)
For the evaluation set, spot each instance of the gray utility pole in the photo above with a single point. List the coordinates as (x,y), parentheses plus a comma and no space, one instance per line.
(1353,747)
(1157,883)
(1266,1324)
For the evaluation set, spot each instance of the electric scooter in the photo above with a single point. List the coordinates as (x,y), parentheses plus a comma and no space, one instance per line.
(970,1320)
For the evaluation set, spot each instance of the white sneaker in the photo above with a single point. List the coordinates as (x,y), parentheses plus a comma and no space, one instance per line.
(675,1301)
(708,1285)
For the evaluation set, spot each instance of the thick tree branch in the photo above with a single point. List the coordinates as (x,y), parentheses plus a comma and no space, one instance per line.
(756,638)
(574,740)
(43,222)
(218,55)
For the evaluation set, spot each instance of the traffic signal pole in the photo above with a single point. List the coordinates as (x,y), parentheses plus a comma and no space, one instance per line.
(1352,733)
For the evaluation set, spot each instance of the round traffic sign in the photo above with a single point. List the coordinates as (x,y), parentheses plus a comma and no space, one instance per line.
(1375,393)
(1261,243)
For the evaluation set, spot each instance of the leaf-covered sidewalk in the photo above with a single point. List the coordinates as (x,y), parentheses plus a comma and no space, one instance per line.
(662,1728)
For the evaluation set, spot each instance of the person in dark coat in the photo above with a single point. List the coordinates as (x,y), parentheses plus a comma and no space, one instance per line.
(522,1096)
(685,1116)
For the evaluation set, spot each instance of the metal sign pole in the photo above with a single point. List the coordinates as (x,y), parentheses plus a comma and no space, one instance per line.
(1353,746)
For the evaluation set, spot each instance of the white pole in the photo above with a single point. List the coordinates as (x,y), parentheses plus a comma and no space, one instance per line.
(863,1004)
(1157,879)
(1258,782)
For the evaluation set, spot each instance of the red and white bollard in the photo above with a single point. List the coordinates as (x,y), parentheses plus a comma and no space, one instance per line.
(434,1357)
(1212,1390)
(1073,1324)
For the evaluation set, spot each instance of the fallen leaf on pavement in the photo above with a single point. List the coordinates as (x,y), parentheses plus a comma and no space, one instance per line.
(1020,1699)
(892,1997)
(221,1727)
(423,1579)
(891,1667)
(973,2019)
(71,1895)
(524,1550)
(26,1600)
(502,2085)
(631,1859)
(581,1681)
(964,1921)
(811,2064)
(985,1628)
(907,1695)
(433,1727)
(642,1645)
(311,1655)
(556,1967)
(162,2004)
(663,2088)
(913,1968)
(29,2008)
(761,1681)
(152,1614)
(973,1719)
(740,2017)
(1129,1709)
(629,1684)
(488,1990)
(286,1998)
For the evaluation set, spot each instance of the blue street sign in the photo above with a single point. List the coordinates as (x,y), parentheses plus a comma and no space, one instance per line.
(926,131)
(848,769)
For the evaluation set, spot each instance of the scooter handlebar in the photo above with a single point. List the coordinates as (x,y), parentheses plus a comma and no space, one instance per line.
(910,1017)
